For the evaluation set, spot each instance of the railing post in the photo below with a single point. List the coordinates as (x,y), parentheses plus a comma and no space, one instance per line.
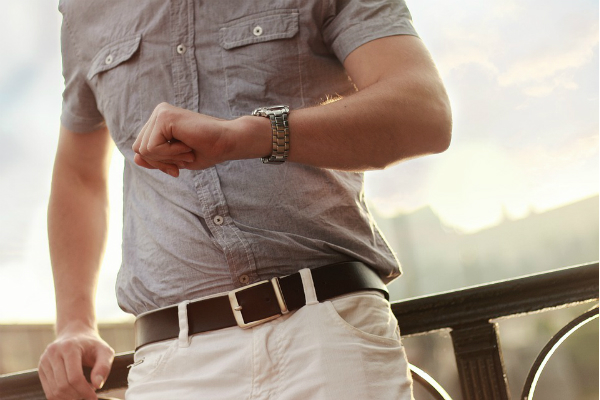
(479,362)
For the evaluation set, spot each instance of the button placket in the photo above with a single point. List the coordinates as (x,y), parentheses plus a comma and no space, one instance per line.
(236,248)
(185,82)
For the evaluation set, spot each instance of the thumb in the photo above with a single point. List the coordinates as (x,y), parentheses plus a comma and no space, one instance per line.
(102,364)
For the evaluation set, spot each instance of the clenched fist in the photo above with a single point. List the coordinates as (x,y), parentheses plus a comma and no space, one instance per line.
(174,138)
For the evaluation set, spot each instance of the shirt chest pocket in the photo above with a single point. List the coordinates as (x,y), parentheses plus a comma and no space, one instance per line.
(113,74)
(261,60)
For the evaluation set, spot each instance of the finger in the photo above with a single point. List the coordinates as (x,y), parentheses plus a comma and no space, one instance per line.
(168,149)
(136,145)
(45,380)
(185,157)
(148,133)
(139,160)
(75,377)
(62,388)
(46,374)
(169,169)
(101,369)
(176,159)
(48,380)
(154,164)
(159,138)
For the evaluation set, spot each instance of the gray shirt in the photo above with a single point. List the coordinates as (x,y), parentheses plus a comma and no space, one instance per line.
(242,221)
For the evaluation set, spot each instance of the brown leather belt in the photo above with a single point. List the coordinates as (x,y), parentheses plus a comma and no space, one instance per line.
(258,303)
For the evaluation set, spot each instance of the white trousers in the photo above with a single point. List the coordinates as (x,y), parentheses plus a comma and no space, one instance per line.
(346,348)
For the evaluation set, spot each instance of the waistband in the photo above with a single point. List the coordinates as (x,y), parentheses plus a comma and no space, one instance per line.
(257,303)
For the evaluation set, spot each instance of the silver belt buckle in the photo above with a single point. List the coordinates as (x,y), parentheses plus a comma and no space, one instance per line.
(237,309)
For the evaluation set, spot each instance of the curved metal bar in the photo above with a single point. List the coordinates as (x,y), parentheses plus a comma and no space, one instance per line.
(550,348)
(430,384)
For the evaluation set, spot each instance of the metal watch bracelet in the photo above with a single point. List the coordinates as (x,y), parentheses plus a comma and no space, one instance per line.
(280,130)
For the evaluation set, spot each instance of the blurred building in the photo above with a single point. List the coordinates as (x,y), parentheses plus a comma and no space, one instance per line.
(435,258)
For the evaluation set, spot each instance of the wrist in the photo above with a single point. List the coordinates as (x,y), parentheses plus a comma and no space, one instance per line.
(253,137)
(76,326)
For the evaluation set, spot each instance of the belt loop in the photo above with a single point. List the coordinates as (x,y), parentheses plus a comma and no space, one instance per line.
(309,287)
(184,337)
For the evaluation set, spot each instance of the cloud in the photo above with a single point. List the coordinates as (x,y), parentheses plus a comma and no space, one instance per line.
(549,64)
(544,160)
(564,81)
(522,78)
(535,46)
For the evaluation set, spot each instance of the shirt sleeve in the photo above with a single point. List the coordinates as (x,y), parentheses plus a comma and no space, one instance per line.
(79,110)
(349,24)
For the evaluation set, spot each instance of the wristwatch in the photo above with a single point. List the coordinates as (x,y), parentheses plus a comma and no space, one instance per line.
(281,132)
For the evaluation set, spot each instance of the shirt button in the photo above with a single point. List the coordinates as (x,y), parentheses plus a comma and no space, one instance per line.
(244,279)
(257,31)
(218,220)
(181,49)
(109,59)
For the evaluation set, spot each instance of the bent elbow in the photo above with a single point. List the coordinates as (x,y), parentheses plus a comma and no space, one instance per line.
(429,131)
(441,128)
(444,136)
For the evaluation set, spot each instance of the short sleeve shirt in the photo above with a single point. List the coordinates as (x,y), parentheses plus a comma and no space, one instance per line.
(241,221)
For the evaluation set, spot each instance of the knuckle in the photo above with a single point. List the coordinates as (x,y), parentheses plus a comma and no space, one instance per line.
(43,365)
(74,380)
(63,387)
(51,351)
(43,358)
(162,108)
(71,349)
(70,345)
(110,351)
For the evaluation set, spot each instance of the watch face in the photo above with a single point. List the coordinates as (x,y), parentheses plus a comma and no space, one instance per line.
(266,111)
(279,108)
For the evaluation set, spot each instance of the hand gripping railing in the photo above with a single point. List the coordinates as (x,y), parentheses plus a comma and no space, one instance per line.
(468,313)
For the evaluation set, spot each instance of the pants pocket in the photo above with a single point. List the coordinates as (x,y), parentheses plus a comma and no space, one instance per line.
(367,315)
(150,360)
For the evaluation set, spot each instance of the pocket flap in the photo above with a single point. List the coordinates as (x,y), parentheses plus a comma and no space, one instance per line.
(114,54)
(263,27)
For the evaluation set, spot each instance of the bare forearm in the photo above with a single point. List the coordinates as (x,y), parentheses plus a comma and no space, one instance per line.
(401,111)
(374,128)
(371,129)
(77,225)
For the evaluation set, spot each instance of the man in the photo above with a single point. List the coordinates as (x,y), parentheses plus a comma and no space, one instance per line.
(175,84)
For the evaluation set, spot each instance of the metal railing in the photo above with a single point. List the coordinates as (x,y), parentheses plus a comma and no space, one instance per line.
(468,313)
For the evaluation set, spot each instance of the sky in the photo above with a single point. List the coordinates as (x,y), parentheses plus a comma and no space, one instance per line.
(522,78)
